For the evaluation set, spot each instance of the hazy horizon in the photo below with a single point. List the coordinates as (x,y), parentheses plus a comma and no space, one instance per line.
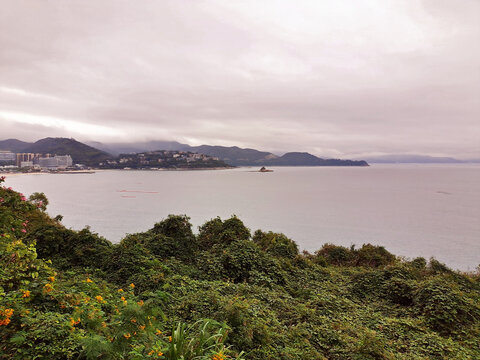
(341,79)
(278,153)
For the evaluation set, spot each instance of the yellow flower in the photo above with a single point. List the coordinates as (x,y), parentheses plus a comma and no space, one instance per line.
(26,293)
(127,336)
(140,302)
(170,338)
(99,298)
(158,332)
(122,298)
(89,280)
(159,353)
(132,285)
(104,324)
(120,290)
(151,353)
(51,278)
(141,327)
(48,287)
(218,356)
(8,314)
(133,320)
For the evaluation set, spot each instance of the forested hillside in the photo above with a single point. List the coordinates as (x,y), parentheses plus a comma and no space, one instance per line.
(68,294)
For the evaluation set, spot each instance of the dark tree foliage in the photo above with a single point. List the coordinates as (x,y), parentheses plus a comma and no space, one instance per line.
(39,199)
(69,248)
(373,256)
(221,232)
(368,255)
(335,255)
(275,244)
(130,262)
(173,236)
(444,306)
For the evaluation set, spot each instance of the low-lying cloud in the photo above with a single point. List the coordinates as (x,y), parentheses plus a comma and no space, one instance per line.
(335,78)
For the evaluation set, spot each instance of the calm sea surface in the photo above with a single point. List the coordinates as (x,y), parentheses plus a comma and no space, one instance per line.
(412,210)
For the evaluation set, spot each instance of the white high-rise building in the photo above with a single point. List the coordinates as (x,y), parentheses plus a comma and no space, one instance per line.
(64,161)
(56,162)
(7,156)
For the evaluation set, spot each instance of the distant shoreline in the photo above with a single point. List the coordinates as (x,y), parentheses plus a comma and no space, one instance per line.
(66,172)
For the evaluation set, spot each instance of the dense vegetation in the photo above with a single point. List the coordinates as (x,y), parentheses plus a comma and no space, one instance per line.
(73,295)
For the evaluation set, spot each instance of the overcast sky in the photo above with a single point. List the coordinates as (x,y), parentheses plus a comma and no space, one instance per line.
(336,78)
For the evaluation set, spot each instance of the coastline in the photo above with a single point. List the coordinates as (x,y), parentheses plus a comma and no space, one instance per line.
(92,171)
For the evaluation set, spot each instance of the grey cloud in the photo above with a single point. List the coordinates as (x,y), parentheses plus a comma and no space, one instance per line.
(336,78)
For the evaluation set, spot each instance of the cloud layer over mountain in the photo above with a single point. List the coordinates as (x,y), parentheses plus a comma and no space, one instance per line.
(335,78)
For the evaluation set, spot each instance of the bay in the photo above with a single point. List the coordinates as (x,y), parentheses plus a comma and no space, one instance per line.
(412,210)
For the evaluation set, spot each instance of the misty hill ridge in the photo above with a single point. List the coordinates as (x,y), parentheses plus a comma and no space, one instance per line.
(233,155)
(80,153)
(306,159)
(134,148)
(13,145)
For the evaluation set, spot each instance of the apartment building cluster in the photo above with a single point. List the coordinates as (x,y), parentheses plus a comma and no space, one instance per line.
(35,161)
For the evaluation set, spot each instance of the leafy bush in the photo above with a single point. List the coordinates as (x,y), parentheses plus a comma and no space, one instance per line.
(221,232)
(130,262)
(368,255)
(176,238)
(445,308)
(67,248)
(373,256)
(276,244)
(336,255)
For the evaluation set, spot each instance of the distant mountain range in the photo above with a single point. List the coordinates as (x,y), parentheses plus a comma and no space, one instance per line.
(80,152)
(14,145)
(231,155)
(91,153)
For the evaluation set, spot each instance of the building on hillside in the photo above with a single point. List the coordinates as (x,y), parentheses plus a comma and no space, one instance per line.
(56,162)
(49,163)
(26,164)
(7,156)
(64,161)
(21,157)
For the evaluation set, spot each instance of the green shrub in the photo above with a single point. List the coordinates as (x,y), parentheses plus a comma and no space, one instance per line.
(400,291)
(336,255)
(445,308)
(373,256)
(67,248)
(176,238)
(275,244)
(437,267)
(419,263)
(130,262)
(220,232)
